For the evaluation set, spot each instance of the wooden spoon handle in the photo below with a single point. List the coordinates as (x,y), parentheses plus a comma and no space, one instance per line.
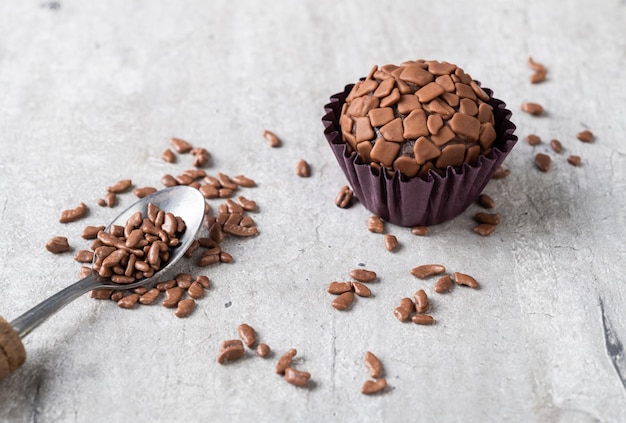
(12,352)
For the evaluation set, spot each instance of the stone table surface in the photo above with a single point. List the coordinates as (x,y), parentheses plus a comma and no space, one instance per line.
(92,92)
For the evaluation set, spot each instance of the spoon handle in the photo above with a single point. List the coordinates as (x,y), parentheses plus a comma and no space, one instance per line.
(12,352)
(42,311)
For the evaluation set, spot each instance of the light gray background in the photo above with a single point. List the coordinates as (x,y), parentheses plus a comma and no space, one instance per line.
(91,92)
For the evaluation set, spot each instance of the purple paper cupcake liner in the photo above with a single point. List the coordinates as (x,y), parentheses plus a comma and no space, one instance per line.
(416,201)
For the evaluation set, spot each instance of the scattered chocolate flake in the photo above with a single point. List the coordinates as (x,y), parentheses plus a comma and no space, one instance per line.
(585,136)
(574,160)
(533,139)
(543,161)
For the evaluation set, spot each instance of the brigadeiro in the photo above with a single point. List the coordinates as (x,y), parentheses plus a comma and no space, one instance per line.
(418,142)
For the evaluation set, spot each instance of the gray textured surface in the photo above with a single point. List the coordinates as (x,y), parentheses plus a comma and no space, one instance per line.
(92,92)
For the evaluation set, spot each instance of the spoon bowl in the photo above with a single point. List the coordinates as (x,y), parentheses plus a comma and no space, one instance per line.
(180,200)
(183,201)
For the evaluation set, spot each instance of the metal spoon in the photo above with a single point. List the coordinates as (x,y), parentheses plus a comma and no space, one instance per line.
(182,201)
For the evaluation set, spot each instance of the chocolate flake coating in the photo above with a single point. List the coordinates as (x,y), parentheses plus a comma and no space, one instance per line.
(419,116)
